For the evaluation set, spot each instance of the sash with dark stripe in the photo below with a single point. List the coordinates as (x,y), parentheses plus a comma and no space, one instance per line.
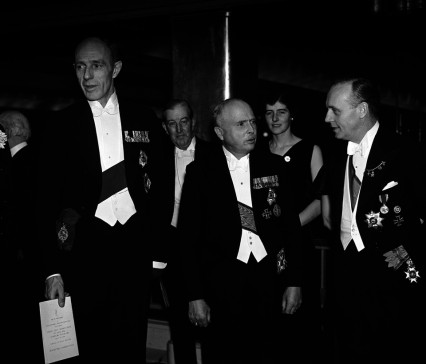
(247,217)
(113,181)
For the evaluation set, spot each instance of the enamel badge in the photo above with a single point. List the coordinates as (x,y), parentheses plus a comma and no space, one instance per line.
(143,158)
(63,233)
(272,196)
(146,182)
(266,214)
(374,220)
(411,273)
(281,261)
(383,199)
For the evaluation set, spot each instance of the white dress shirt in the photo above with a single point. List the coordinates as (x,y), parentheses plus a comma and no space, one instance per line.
(240,173)
(118,207)
(348,226)
(182,159)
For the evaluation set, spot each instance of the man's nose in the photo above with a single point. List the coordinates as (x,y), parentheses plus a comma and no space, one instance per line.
(328,118)
(88,73)
(251,127)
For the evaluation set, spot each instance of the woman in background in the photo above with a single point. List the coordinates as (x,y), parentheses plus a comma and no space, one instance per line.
(302,160)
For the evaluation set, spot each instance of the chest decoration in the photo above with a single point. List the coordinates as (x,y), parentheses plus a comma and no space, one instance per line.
(374,220)
(281,261)
(397,257)
(3,140)
(272,197)
(146,182)
(287,158)
(63,233)
(143,158)
(383,199)
(136,136)
(411,273)
(265,182)
(371,172)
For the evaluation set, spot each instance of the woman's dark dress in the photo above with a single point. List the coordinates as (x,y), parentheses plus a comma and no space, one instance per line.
(303,329)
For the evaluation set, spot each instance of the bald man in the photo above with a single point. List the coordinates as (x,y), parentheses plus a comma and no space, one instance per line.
(240,237)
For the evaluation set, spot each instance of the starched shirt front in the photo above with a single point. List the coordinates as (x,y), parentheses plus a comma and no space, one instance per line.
(120,206)
(348,225)
(250,242)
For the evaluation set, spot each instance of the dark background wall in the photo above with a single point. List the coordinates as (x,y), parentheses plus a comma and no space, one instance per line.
(297,45)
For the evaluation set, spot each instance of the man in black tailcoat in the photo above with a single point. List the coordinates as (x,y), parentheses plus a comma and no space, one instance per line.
(105,189)
(240,243)
(377,225)
(182,148)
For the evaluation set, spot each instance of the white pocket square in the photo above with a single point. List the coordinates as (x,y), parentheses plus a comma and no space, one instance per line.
(390,185)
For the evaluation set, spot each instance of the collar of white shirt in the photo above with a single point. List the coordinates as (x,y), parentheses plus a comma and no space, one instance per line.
(110,108)
(234,163)
(364,147)
(188,152)
(17,148)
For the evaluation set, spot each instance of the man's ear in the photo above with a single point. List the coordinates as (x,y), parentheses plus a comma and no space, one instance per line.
(362,109)
(219,132)
(117,68)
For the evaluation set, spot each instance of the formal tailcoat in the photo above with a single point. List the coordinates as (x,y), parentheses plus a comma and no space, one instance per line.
(201,148)
(73,177)
(390,163)
(210,223)
(377,300)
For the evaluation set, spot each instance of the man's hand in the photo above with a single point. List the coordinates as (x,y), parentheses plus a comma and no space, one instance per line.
(199,313)
(292,299)
(55,289)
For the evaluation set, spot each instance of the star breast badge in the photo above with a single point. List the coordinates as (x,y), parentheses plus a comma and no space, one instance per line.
(374,220)
(411,273)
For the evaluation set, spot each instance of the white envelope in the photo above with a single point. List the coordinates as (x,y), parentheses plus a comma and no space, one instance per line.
(390,185)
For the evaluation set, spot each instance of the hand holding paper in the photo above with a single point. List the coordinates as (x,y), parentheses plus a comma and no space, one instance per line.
(58,330)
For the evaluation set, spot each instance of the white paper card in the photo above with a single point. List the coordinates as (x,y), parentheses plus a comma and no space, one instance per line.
(58,330)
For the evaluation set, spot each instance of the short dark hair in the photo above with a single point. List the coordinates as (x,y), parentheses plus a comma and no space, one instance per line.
(176,102)
(283,97)
(363,90)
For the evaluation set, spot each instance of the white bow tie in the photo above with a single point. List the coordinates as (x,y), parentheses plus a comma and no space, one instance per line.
(97,111)
(354,148)
(238,163)
(184,153)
